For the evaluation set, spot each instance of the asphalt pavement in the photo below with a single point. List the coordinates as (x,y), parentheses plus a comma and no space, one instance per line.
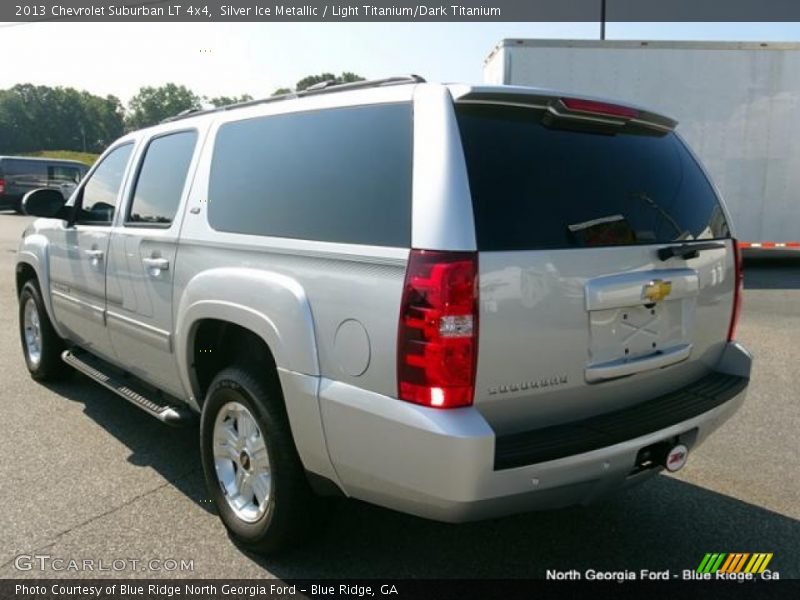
(87,476)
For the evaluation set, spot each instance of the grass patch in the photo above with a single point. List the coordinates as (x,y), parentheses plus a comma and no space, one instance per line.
(85,157)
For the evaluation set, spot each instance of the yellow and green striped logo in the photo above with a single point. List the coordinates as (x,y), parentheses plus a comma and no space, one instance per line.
(737,562)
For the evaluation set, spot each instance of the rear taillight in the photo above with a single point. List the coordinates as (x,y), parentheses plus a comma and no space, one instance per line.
(438,333)
(738,285)
(2,186)
(599,108)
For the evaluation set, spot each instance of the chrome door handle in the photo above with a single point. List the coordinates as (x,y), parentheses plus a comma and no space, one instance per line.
(94,254)
(156,263)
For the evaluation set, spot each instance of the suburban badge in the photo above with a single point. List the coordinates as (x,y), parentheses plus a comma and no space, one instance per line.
(522,386)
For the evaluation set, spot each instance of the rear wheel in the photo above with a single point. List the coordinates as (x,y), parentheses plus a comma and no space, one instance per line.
(251,465)
(41,345)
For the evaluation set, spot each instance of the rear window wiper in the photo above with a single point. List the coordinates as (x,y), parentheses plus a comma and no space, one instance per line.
(688,250)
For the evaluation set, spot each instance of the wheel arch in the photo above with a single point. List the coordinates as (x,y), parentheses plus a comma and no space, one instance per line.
(24,272)
(271,306)
(217,344)
(32,263)
(274,310)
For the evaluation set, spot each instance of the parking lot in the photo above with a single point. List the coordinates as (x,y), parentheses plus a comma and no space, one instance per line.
(88,476)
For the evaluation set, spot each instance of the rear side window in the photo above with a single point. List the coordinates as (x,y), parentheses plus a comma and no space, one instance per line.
(338,175)
(161,179)
(59,174)
(540,187)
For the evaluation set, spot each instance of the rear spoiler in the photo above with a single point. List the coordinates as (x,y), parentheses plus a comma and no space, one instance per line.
(565,106)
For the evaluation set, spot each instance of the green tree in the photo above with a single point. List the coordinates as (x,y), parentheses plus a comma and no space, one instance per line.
(228,100)
(15,120)
(154,104)
(307,82)
(36,118)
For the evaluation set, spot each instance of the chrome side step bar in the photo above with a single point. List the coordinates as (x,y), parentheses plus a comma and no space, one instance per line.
(92,367)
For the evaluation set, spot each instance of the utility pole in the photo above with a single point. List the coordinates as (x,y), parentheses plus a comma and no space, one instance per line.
(602,19)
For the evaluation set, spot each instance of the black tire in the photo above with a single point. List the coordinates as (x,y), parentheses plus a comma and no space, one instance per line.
(49,366)
(293,512)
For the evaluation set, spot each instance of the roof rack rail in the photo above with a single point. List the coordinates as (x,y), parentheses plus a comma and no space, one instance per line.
(186,113)
(323,87)
(320,85)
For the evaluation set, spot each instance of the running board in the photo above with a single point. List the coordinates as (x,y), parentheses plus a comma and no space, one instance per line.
(92,367)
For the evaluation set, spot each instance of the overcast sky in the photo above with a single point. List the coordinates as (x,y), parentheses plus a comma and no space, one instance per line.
(234,58)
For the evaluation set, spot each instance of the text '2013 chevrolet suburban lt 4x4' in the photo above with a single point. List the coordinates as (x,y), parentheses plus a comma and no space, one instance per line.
(453,301)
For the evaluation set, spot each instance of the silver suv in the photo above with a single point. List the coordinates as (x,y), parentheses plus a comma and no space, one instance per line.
(453,301)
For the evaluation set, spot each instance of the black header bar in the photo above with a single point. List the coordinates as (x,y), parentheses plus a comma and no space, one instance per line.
(398,10)
(390,589)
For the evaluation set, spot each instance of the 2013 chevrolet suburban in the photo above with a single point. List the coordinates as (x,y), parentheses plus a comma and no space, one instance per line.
(453,301)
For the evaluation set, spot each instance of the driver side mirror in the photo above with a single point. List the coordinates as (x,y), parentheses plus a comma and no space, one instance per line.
(47,203)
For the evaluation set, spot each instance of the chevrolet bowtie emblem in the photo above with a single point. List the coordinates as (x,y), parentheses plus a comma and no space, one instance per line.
(657,290)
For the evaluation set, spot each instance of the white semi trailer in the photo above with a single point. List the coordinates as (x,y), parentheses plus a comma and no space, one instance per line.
(737,104)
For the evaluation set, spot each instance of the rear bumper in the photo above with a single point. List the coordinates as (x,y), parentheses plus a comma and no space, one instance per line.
(444,465)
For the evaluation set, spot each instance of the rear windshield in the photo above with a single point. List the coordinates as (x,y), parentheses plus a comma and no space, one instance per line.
(536,186)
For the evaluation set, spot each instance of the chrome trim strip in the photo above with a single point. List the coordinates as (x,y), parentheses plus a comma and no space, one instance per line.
(626,289)
(622,367)
(153,336)
(77,306)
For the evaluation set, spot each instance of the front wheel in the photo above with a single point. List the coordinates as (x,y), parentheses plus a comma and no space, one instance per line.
(41,345)
(251,465)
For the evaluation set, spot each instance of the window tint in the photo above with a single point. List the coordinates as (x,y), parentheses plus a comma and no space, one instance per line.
(339,175)
(99,196)
(25,167)
(63,174)
(539,187)
(161,178)
(27,173)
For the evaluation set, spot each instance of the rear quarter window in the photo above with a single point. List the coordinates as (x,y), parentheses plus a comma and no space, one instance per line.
(336,175)
(536,187)
(26,168)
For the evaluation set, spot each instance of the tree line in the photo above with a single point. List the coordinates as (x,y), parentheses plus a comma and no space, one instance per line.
(39,117)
